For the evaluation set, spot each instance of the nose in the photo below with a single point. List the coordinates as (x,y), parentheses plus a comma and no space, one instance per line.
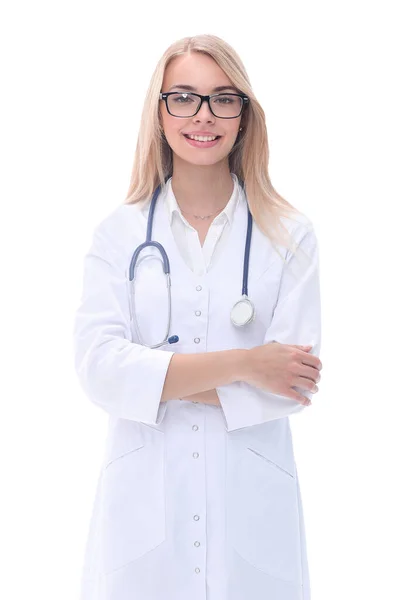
(205,112)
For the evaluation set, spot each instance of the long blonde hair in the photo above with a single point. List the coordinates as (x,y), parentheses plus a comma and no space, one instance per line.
(248,158)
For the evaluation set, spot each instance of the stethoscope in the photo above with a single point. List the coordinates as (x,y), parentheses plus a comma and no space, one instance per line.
(243,311)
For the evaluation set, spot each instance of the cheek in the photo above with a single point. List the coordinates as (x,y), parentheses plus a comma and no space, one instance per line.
(173,132)
(176,141)
(230,139)
(172,124)
(169,124)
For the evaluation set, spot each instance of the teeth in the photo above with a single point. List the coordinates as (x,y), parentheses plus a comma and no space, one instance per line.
(202,138)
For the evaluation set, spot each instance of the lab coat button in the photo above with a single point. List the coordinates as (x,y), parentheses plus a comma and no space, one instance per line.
(198,288)
(197,544)
(196,340)
(195,455)
(198,313)
(197,570)
(196,517)
(195,427)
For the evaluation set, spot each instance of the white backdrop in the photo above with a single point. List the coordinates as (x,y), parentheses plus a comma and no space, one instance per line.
(74,75)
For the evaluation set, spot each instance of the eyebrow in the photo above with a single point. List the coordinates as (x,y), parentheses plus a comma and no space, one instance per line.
(190,88)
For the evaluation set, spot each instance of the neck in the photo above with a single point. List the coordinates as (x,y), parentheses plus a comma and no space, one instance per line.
(201,190)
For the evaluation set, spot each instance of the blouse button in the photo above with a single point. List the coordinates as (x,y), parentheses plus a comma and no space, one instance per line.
(196,340)
(197,544)
(197,570)
(195,427)
(195,455)
(198,313)
(198,288)
(196,517)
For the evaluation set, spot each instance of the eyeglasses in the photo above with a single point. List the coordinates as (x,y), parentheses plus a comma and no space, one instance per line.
(223,106)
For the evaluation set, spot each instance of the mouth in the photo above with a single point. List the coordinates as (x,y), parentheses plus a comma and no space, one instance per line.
(202,144)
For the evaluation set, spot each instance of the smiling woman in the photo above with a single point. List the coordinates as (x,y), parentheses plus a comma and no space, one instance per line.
(198,495)
(210,110)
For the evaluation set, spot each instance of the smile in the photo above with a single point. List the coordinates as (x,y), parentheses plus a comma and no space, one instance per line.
(202,141)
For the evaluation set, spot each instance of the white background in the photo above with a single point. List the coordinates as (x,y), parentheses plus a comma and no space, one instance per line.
(74,76)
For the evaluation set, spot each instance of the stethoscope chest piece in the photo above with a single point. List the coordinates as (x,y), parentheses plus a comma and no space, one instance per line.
(243,312)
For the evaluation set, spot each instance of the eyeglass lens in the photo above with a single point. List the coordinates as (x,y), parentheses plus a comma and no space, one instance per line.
(222,105)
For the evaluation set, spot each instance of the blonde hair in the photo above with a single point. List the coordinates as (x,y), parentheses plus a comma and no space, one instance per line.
(248,158)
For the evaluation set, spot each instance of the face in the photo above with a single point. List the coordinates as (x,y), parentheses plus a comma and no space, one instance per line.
(203,73)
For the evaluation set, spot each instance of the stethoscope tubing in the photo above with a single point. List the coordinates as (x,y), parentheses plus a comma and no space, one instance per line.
(166,264)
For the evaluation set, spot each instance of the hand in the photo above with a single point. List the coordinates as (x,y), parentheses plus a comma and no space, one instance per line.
(279,367)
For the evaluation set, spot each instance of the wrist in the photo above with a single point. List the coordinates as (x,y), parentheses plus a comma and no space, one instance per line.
(241,364)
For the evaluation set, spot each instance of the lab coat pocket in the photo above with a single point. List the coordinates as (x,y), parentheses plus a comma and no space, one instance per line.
(134,495)
(263,512)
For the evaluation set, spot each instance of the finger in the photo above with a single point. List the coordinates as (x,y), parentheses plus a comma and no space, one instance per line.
(311,360)
(304,383)
(300,347)
(308,385)
(309,372)
(299,397)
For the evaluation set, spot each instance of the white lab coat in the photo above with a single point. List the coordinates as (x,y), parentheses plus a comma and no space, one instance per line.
(193,501)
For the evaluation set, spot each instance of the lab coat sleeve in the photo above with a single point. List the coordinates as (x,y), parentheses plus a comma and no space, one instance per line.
(123,378)
(296,320)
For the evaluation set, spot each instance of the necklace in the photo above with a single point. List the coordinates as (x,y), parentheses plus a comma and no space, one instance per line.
(199,216)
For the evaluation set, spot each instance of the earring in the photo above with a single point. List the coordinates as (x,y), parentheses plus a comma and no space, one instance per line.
(240,128)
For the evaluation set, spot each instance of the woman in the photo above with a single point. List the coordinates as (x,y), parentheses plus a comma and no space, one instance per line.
(198,496)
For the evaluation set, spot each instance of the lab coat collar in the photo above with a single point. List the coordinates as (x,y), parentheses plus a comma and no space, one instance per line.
(228,212)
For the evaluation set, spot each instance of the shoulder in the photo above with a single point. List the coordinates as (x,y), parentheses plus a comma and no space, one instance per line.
(125,217)
(305,259)
(298,225)
(123,227)
(124,222)
(302,231)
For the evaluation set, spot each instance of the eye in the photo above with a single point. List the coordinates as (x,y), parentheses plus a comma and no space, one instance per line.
(224,99)
(182,99)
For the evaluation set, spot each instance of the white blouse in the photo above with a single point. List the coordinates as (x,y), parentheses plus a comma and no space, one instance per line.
(198,258)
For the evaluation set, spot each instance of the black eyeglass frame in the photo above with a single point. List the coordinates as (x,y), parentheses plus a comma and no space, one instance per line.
(164,96)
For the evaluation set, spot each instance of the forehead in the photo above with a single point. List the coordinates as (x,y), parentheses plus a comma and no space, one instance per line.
(199,71)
